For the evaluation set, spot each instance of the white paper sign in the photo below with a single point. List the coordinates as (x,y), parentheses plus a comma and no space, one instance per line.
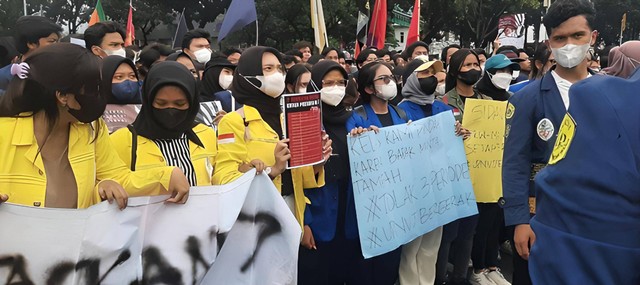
(240,233)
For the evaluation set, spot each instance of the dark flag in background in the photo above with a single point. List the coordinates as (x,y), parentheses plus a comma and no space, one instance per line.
(180,31)
(239,14)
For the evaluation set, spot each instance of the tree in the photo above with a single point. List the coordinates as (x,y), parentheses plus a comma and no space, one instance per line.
(609,16)
(148,14)
(70,13)
(10,11)
(477,20)
(199,11)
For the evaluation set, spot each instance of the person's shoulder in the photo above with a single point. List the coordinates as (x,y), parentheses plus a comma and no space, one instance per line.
(204,131)
(120,136)
(440,105)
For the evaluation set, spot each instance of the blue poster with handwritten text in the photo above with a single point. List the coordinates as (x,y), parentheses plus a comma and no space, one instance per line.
(407,181)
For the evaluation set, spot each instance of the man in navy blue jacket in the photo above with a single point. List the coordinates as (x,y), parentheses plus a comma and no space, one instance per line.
(588,219)
(30,33)
(534,115)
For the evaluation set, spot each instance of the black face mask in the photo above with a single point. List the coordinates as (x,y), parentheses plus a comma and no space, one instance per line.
(470,77)
(169,118)
(91,108)
(428,84)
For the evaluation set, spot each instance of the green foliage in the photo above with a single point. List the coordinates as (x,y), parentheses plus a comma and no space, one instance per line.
(284,22)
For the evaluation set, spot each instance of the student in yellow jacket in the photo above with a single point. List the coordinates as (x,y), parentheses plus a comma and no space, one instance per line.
(250,136)
(165,130)
(54,149)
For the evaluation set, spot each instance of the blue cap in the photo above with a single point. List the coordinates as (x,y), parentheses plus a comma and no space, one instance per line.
(500,61)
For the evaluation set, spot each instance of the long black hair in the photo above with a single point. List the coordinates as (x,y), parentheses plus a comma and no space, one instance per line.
(58,68)
(366,75)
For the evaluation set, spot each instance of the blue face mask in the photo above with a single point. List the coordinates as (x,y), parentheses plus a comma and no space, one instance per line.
(127,91)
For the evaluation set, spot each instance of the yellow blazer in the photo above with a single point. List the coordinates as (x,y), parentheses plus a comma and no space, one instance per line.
(237,145)
(23,177)
(149,154)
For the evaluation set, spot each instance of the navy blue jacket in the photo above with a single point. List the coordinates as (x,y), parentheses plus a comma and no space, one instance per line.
(538,100)
(5,77)
(415,112)
(587,223)
(372,119)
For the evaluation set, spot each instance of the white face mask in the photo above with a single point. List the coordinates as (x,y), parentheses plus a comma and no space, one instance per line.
(119,52)
(501,80)
(515,74)
(225,81)
(570,55)
(302,90)
(332,95)
(440,89)
(386,92)
(273,85)
(203,55)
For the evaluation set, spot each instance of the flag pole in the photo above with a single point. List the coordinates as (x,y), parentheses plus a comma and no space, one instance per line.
(25,7)
(179,21)
(256,31)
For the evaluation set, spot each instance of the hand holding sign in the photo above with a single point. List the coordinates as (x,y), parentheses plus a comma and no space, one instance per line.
(282,154)
(179,187)
(112,191)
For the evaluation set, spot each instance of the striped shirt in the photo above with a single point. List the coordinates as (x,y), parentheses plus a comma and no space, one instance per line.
(176,153)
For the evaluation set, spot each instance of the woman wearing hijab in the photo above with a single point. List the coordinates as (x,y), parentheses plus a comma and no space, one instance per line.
(331,53)
(298,77)
(377,85)
(624,60)
(419,257)
(464,71)
(121,86)
(331,215)
(187,61)
(251,137)
(164,133)
(498,73)
(216,81)
(56,151)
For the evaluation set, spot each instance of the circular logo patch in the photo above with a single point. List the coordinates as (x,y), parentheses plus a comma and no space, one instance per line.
(545,129)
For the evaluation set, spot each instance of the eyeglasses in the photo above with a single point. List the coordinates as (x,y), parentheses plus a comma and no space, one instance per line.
(387,78)
(329,83)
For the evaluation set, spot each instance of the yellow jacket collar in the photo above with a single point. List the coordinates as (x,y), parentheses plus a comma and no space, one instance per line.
(251,113)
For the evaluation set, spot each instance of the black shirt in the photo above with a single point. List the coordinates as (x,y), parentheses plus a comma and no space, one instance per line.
(427,109)
(385,119)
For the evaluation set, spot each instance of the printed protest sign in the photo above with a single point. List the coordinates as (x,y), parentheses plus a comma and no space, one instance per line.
(511,30)
(302,125)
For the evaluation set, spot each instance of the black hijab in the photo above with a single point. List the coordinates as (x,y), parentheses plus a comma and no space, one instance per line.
(293,74)
(330,114)
(163,74)
(486,87)
(174,57)
(210,83)
(250,64)
(334,119)
(109,66)
(455,64)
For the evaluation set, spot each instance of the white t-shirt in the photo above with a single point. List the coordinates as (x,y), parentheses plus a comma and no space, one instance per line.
(563,87)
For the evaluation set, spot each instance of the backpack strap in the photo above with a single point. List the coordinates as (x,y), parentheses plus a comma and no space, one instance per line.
(134,146)
(401,113)
(361,112)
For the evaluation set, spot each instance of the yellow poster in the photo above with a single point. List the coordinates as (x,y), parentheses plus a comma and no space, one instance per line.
(486,121)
